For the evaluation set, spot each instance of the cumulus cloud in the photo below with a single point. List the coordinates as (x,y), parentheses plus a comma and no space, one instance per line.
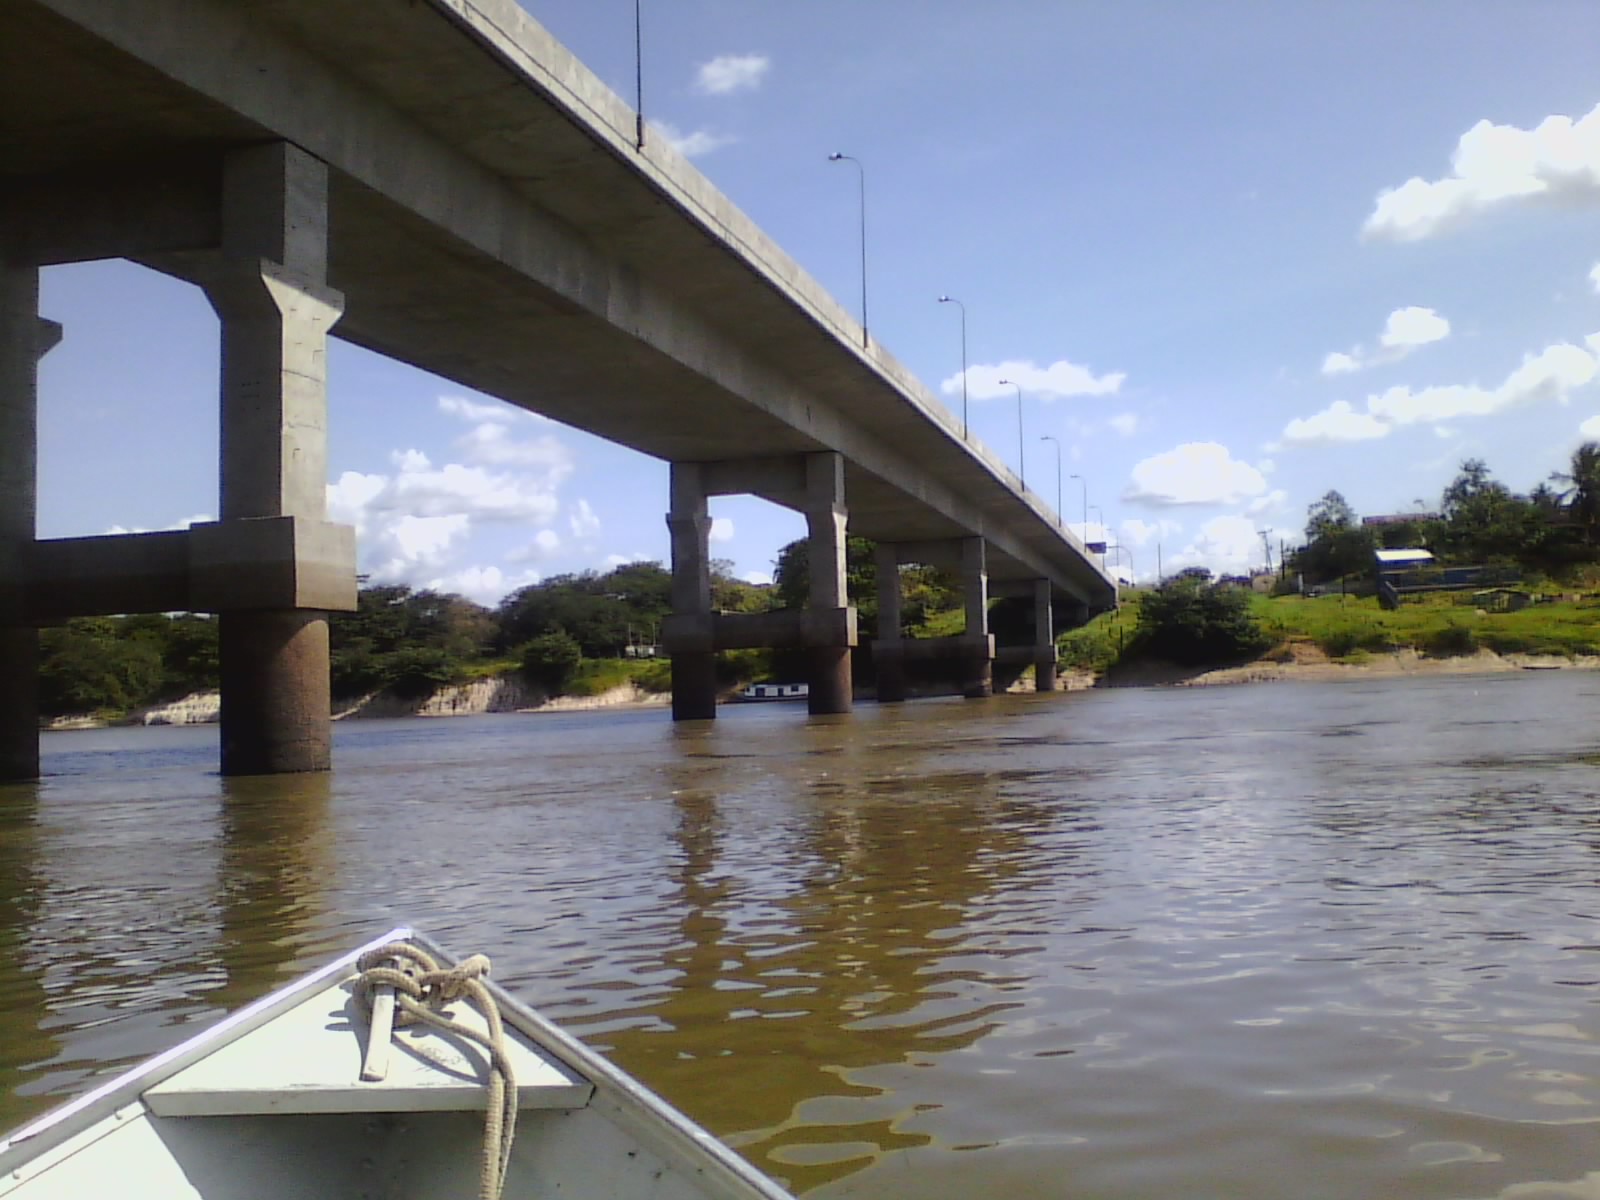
(1404,331)
(1590,428)
(1272,502)
(1054,382)
(1337,423)
(695,144)
(1136,533)
(758,578)
(180,523)
(721,529)
(1494,165)
(1227,545)
(582,521)
(729,73)
(1194,473)
(1127,424)
(1552,374)
(483,584)
(492,444)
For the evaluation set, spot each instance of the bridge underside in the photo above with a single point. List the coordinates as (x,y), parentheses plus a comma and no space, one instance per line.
(479,213)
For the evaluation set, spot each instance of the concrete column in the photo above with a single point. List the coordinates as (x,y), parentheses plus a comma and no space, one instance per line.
(688,631)
(888,652)
(978,669)
(269,291)
(829,620)
(25,338)
(1044,639)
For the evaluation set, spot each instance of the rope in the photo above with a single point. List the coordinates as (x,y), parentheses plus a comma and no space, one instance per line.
(421,990)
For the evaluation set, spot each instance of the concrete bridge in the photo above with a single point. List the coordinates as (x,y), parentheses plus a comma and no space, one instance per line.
(441,182)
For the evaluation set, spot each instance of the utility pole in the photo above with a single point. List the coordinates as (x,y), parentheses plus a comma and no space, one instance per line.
(1158,564)
(1266,546)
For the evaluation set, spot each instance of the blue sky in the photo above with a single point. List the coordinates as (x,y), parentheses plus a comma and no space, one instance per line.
(1237,253)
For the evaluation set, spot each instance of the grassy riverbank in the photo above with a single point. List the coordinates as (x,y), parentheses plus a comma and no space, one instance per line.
(1354,631)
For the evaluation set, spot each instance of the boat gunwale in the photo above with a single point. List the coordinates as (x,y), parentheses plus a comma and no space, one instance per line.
(645,1114)
(76,1115)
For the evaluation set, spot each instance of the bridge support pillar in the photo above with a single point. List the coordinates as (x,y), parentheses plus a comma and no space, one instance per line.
(272,563)
(888,652)
(25,338)
(977,678)
(1044,641)
(828,624)
(688,632)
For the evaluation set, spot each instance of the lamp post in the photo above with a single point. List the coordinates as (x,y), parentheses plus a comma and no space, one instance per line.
(963,308)
(638,78)
(1022,469)
(1085,483)
(1100,520)
(861,175)
(1048,438)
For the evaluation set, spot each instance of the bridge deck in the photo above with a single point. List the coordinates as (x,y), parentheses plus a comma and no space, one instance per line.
(491,222)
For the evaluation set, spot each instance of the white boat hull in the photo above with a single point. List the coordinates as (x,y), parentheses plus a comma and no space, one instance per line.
(269,1103)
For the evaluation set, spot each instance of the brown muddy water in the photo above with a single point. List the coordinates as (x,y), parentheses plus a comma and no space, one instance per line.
(1331,940)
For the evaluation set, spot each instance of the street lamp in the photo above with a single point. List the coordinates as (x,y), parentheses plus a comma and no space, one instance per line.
(1057,441)
(963,308)
(1022,469)
(1100,520)
(861,174)
(1085,483)
(638,78)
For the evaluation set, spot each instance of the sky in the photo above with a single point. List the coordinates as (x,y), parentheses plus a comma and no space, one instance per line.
(1236,253)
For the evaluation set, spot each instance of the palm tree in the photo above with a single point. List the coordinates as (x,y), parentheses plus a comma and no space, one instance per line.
(1582,493)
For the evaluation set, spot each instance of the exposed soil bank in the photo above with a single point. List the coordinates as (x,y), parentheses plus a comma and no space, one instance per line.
(1307,661)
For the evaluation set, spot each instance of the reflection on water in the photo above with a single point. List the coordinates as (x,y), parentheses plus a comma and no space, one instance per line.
(1313,940)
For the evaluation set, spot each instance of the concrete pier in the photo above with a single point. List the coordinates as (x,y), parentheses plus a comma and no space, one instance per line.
(688,632)
(829,622)
(978,663)
(825,630)
(1044,638)
(25,338)
(269,290)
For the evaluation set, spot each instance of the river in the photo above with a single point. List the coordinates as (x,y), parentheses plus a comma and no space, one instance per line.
(1320,940)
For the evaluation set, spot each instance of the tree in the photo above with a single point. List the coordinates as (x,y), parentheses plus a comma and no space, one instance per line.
(551,659)
(1188,621)
(1582,496)
(1329,516)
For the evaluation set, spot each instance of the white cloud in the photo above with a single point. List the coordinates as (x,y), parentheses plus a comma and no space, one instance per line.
(1412,326)
(424,539)
(731,73)
(1494,164)
(759,578)
(721,529)
(1405,330)
(493,444)
(582,521)
(1548,375)
(1194,473)
(1552,374)
(1336,423)
(1227,545)
(1266,466)
(483,584)
(1127,424)
(695,144)
(1272,502)
(1057,381)
(618,560)
(181,523)
(1590,428)
(471,410)
(1136,533)
(543,544)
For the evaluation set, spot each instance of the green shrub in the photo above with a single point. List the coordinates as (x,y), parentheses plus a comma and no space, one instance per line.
(1451,641)
(1189,622)
(550,659)
(654,675)
(416,672)
(1337,643)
